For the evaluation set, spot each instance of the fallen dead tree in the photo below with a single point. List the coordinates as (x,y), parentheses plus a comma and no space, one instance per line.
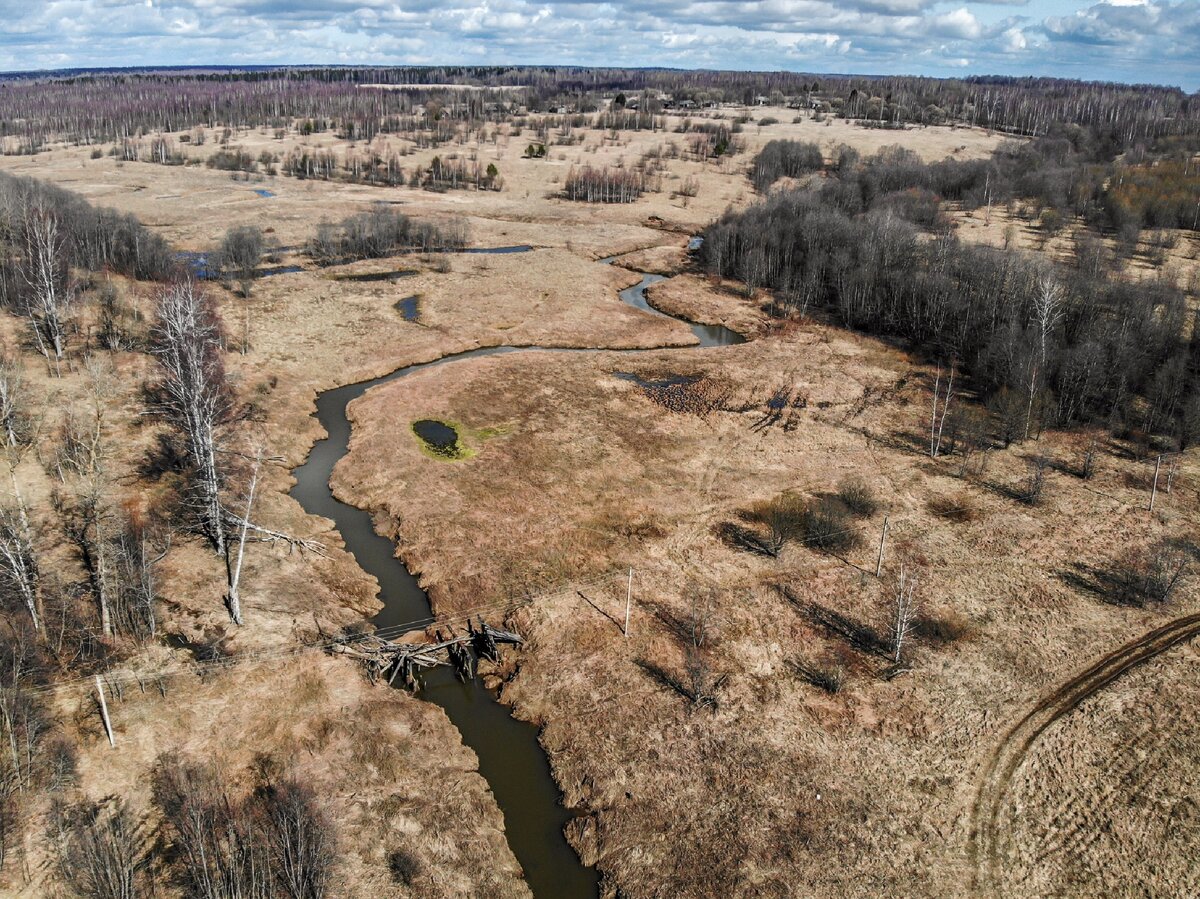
(392,659)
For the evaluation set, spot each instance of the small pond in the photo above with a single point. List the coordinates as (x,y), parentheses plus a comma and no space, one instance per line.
(372,277)
(523,248)
(409,308)
(279,270)
(196,263)
(438,436)
(657,383)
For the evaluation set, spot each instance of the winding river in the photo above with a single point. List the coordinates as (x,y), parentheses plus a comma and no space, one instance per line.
(510,757)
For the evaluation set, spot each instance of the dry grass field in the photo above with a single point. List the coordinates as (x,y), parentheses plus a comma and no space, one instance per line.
(771,787)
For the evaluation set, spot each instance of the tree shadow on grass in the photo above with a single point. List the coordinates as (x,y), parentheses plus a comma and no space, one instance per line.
(665,678)
(856,634)
(1125,585)
(747,540)
(610,617)
(1139,577)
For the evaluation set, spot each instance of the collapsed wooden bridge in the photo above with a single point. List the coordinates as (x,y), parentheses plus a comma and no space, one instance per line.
(392,659)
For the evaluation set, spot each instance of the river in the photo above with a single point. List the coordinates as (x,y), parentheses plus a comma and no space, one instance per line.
(510,757)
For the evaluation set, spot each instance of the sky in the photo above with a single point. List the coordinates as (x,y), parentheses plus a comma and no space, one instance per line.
(1140,41)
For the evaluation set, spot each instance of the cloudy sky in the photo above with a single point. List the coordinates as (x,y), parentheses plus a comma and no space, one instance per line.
(1124,40)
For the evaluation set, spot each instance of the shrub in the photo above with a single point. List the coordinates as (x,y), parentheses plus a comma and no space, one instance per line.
(405,866)
(102,856)
(784,159)
(945,628)
(829,676)
(858,497)
(1145,577)
(784,517)
(828,526)
(1033,490)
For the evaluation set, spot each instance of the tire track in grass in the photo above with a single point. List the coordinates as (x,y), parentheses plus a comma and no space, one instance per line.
(1006,758)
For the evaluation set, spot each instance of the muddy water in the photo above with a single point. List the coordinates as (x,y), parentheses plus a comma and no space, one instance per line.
(510,757)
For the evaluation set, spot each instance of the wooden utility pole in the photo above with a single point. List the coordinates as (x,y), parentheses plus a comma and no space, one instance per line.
(1154,486)
(882,542)
(628,601)
(104,713)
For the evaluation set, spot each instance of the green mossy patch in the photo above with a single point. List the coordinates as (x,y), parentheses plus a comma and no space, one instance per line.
(441,440)
(452,441)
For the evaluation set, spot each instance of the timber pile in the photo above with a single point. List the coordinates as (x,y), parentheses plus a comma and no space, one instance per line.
(392,659)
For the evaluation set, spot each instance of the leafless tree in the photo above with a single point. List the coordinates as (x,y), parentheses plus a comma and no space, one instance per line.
(137,552)
(937,422)
(48,293)
(20,576)
(13,418)
(194,396)
(87,512)
(973,438)
(904,613)
(1034,489)
(103,854)
(223,849)
(1087,467)
(240,253)
(24,726)
(304,841)
(234,599)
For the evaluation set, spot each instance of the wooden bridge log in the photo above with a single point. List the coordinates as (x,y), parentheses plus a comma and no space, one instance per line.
(405,659)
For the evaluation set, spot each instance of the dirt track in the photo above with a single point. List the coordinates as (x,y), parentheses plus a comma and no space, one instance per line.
(1007,757)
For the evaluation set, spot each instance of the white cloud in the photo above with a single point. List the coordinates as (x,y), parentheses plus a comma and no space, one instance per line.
(1014,40)
(1120,39)
(960,23)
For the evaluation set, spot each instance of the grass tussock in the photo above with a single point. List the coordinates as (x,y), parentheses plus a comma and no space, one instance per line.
(957,507)
(857,496)
(945,627)
(828,675)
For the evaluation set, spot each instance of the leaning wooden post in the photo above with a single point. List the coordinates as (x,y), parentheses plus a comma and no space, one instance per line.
(882,542)
(104,713)
(628,600)
(1154,486)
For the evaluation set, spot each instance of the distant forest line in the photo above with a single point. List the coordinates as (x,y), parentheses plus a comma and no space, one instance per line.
(101,106)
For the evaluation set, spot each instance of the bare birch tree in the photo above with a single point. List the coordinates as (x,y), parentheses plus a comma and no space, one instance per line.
(194,396)
(19,573)
(1047,310)
(48,293)
(88,514)
(937,422)
(1047,314)
(904,613)
(12,401)
(234,598)
(15,425)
